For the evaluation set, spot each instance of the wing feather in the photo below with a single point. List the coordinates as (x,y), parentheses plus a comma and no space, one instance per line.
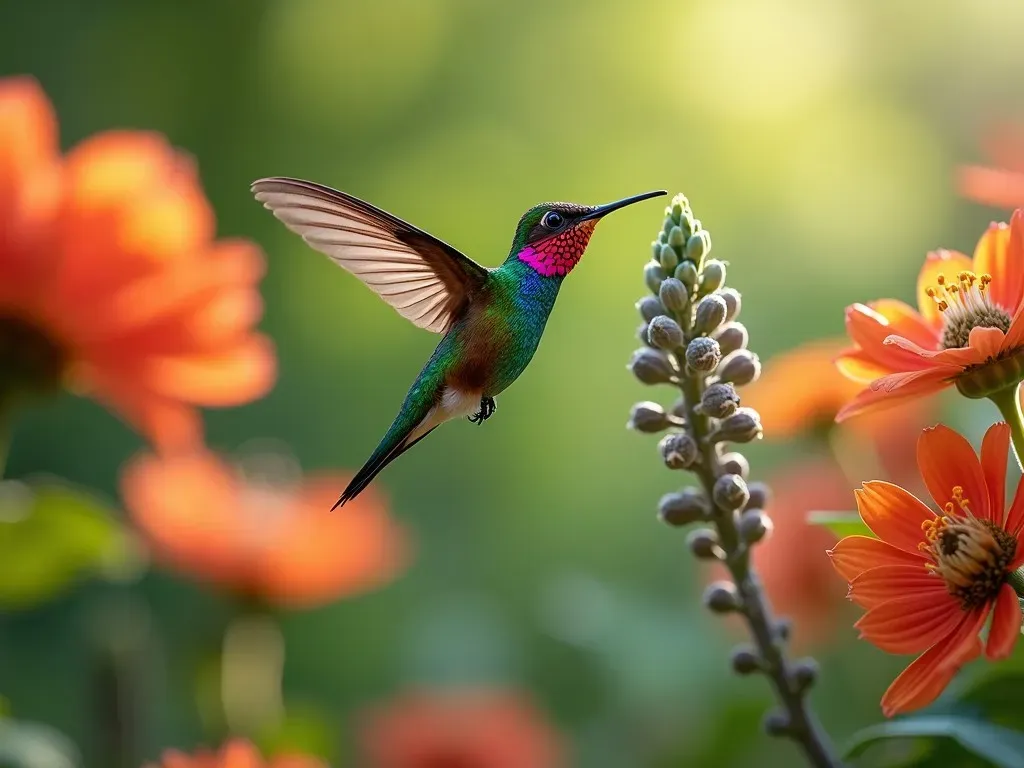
(424,279)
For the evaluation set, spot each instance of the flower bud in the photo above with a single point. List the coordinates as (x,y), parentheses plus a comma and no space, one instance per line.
(732,336)
(721,597)
(740,368)
(651,366)
(710,314)
(698,245)
(704,544)
(662,239)
(730,493)
(687,506)
(745,660)
(712,277)
(736,463)
(653,275)
(673,295)
(783,629)
(777,724)
(678,450)
(676,211)
(703,354)
(686,273)
(664,332)
(676,238)
(760,495)
(656,250)
(755,525)
(719,400)
(650,307)
(647,417)
(678,408)
(667,225)
(742,427)
(733,302)
(668,258)
(805,672)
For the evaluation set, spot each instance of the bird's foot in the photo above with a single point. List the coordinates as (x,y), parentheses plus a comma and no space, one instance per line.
(487,408)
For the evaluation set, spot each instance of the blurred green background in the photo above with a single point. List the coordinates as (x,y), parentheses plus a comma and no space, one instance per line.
(816,141)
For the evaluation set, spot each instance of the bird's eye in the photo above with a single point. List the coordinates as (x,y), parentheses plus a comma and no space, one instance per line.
(553,220)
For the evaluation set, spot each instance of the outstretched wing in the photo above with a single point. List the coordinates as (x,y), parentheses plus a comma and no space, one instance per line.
(426,280)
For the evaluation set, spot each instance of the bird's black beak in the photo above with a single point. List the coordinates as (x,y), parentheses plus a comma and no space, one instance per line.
(603,210)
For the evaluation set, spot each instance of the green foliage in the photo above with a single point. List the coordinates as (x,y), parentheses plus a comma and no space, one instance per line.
(1001,747)
(31,745)
(52,535)
(840,523)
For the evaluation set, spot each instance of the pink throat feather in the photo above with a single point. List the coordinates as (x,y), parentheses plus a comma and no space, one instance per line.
(556,256)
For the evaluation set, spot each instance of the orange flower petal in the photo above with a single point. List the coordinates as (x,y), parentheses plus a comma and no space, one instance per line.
(987,342)
(947,263)
(926,677)
(240,373)
(997,187)
(1005,629)
(946,460)
(912,623)
(892,389)
(1015,335)
(28,137)
(855,555)
(170,424)
(859,367)
(992,256)
(1015,515)
(890,582)
(869,328)
(995,448)
(893,514)
(955,358)
(905,321)
(239,754)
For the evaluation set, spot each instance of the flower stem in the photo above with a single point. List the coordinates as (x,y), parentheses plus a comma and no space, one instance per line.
(765,629)
(1008,402)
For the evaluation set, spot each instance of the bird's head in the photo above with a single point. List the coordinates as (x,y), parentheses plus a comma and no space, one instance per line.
(551,237)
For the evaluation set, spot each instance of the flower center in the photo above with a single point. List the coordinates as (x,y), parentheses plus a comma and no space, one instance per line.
(30,360)
(971,555)
(965,305)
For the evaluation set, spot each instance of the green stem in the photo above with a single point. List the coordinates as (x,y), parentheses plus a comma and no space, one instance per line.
(5,436)
(764,628)
(1008,402)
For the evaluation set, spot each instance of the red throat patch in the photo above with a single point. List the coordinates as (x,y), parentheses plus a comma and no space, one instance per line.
(557,255)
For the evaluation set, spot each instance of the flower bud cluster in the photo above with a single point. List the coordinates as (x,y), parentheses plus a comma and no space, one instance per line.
(695,342)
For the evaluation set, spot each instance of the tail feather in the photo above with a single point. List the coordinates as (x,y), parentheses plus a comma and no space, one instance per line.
(395,443)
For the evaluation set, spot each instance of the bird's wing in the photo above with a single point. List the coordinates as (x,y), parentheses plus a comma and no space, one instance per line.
(426,280)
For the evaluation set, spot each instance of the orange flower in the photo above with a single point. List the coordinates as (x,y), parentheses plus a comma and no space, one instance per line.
(276,542)
(1001,186)
(969,331)
(930,580)
(110,281)
(467,728)
(234,754)
(796,578)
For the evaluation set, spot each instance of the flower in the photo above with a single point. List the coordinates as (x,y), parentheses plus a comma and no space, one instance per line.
(236,753)
(110,281)
(969,330)
(272,540)
(929,581)
(796,578)
(466,728)
(1001,186)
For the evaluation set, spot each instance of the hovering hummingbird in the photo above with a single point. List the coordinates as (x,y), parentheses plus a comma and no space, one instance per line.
(492,319)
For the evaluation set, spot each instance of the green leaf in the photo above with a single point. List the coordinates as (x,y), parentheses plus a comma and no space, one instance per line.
(840,523)
(31,745)
(1002,747)
(51,535)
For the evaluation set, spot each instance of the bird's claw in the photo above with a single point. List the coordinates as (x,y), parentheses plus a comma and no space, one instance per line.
(487,408)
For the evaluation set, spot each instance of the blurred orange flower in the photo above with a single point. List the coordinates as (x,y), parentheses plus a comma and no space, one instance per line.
(969,330)
(276,542)
(465,728)
(110,281)
(1001,186)
(929,581)
(234,754)
(791,562)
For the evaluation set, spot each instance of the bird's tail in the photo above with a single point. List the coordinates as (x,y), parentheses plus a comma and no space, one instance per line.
(406,430)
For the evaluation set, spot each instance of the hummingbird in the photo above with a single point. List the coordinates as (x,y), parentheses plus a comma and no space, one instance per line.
(492,319)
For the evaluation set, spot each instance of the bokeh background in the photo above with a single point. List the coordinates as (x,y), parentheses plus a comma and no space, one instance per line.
(818,142)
